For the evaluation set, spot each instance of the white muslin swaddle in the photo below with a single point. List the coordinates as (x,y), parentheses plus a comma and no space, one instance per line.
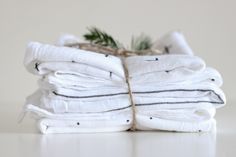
(82,91)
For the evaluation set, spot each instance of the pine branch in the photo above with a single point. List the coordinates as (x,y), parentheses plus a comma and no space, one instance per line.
(142,42)
(96,36)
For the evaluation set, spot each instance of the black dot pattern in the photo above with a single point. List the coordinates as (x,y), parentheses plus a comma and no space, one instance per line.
(36,66)
(167,49)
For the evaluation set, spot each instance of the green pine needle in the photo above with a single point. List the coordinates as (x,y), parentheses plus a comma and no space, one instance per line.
(142,42)
(96,36)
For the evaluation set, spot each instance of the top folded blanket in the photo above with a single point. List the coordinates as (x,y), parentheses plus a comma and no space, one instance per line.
(42,59)
(82,72)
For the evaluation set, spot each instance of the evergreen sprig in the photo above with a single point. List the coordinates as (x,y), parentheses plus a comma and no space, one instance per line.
(142,42)
(96,36)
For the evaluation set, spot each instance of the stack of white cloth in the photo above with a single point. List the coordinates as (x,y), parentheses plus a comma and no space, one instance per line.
(83,91)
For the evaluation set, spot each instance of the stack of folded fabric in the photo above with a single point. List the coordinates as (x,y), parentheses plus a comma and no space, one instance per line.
(79,91)
(83,91)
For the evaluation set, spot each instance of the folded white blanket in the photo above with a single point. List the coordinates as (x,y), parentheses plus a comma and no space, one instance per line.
(49,122)
(37,53)
(83,91)
(173,43)
(120,118)
(206,90)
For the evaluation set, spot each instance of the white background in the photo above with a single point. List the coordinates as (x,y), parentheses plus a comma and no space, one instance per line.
(209,26)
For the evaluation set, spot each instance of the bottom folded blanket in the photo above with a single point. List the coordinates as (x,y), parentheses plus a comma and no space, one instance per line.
(113,121)
(187,110)
(181,120)
(145,123)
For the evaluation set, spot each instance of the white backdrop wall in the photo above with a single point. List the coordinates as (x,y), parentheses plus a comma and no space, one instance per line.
(209,26)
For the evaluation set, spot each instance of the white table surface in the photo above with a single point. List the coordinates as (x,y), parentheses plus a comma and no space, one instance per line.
(23,140)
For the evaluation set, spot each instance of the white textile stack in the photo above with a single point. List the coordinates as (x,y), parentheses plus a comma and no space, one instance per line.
(83,91)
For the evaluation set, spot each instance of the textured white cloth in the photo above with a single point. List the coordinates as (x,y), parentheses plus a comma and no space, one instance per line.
(67,39)
(37,53)
(173,43)
(51,122)
(82,91)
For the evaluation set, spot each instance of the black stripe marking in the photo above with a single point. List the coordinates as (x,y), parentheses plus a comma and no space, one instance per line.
(89,96)
(181,102)
(117,109)
(122,108)
(176,90)
(148,92)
